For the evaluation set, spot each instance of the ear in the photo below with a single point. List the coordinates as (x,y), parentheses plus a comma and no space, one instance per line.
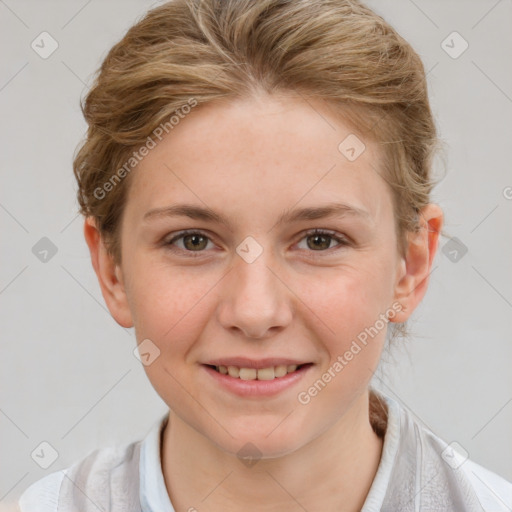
(413,279)
(109,275)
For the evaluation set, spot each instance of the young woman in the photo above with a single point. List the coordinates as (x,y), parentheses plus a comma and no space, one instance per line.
(256,184)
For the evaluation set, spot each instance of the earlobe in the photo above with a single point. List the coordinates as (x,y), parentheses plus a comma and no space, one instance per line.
(109,275)
(415,269)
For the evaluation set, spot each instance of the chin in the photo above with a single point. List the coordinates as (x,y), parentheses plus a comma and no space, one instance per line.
(261,439)
(261,448)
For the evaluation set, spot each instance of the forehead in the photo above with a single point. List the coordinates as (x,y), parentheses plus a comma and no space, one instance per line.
(254,154)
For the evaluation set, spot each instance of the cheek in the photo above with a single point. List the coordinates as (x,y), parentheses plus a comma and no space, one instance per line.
(350,321)
(352,333)
(168,304)
(171,311)
(350,299)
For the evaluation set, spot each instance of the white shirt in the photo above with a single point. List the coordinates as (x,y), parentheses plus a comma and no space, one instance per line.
(417,472)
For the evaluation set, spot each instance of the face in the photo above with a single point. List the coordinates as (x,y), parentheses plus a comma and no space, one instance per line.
(253,284)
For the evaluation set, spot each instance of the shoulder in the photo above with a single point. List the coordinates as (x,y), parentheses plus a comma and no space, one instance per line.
(419,469)
(462,478)
(42,495)
(99,476)
(492,490)
(463,475)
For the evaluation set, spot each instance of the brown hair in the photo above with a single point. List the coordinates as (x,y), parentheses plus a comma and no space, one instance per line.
(200,51)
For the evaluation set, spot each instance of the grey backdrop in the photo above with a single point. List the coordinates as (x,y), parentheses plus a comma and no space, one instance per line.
(68,376)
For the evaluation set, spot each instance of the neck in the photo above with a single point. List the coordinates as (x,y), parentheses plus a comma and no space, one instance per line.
(332,472)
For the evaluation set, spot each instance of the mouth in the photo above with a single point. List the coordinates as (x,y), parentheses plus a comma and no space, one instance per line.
(268,374)
(256,378)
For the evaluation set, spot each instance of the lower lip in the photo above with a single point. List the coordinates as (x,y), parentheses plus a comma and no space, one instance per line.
(258,388)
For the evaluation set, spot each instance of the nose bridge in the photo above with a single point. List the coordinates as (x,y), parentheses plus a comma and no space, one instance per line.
(254,300)
(255,281)
(252,263)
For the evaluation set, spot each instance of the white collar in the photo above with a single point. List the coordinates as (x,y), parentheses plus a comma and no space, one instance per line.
(411,475)
(153,492)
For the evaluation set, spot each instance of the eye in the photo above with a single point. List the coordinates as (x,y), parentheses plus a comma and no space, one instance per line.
(193,242)
(320,240)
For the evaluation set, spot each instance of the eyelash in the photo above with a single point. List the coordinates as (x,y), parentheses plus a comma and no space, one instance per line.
(343,242)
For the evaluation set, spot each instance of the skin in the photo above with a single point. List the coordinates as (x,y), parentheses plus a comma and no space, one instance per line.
(249,160)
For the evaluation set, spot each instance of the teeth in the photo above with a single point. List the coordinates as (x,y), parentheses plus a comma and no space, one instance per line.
(266,373)
(280,371)
(234,371)
(248,373)
(257,374)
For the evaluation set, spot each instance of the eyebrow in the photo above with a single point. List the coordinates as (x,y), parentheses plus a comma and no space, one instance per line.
(302,214)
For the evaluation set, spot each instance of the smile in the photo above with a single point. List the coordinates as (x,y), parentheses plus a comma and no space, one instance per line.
(270,373)
(256,383)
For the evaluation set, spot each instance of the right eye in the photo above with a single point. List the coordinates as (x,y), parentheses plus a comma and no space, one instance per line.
(193,242)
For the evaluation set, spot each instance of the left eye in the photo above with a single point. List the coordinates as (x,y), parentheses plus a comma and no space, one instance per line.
(321,239)
(196,241)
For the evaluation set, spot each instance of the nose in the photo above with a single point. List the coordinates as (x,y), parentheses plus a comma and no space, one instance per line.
(255,301)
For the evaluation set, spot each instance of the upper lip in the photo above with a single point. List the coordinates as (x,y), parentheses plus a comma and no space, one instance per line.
(244,362)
